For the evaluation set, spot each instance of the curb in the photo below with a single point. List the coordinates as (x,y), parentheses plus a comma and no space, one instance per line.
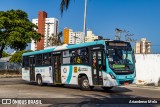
(144,86)
(10,76)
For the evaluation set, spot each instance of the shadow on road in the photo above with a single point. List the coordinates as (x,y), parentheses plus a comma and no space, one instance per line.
(112,100)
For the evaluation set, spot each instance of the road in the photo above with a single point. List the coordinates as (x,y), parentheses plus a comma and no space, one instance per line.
(17,88)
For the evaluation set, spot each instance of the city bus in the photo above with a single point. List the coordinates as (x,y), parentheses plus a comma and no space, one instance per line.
(103,63)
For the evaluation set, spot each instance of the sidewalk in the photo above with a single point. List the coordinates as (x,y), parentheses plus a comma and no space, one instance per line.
(11,76)
(143,86)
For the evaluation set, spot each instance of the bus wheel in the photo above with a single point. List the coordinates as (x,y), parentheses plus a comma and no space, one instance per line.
(107,88)
(39,80)
(84,83)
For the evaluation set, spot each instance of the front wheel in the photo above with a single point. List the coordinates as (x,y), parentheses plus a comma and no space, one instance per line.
(84,83)
(107,88)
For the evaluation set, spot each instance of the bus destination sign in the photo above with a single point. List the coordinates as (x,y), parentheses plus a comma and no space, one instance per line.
(117,44)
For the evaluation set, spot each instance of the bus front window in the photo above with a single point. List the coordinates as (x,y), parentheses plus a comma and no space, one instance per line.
(120,59)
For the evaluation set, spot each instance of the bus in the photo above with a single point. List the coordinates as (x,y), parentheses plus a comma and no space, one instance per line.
(104,63)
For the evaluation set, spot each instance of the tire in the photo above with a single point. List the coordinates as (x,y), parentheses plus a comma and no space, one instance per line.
(39,80)
(107,88)
(84,83)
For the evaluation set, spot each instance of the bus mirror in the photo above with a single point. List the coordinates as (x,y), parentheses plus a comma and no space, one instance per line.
(107,52)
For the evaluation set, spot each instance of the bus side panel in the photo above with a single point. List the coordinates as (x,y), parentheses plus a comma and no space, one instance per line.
(26,74)
(46,74)
(82,69)
(66,74)
(70,74)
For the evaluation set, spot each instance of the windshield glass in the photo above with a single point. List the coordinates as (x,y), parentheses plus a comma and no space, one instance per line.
(120,59)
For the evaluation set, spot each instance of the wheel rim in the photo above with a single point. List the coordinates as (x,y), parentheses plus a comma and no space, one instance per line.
(85,83)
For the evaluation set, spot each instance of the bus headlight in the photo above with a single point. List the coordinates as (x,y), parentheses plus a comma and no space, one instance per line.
(112,76)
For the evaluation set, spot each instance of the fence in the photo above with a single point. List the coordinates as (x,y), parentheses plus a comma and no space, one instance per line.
(7,67)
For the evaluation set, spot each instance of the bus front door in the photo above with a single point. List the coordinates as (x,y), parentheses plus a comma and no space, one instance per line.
(32,68)
(97,67)
(57,69)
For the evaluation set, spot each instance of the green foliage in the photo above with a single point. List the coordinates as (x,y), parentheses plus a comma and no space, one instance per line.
(17,57)
(64,5)
(16,30)
(4,54)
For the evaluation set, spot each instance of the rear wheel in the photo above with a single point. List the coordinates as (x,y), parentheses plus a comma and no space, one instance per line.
(39,80)
(107,88)
(84,83)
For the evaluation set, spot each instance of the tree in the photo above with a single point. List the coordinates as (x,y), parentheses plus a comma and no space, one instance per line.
(56,39)
(64,5)
(16,30)
(17,57)
(4,54)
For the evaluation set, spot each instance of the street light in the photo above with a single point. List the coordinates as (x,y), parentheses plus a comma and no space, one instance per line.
(84,24)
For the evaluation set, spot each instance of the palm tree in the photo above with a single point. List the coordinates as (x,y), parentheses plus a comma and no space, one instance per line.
(56,39)
(64,5)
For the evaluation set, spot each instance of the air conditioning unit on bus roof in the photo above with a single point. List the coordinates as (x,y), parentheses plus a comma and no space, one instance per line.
(64,45)
(50,47)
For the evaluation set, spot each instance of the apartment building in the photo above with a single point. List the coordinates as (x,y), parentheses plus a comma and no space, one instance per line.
(143,47)
(71,37)
(46,26)
(91,37)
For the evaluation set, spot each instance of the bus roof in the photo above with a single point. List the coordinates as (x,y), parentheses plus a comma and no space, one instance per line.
(64,47)
(38,52)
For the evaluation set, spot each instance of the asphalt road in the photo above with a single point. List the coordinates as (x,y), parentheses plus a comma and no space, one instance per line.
(17,88)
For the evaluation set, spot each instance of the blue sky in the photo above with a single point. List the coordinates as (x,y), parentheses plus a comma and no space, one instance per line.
(140,17)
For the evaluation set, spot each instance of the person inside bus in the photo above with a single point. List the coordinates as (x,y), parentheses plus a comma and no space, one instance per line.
(117,58)
(48,60)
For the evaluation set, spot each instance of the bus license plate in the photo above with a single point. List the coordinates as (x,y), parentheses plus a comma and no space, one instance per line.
(126,83)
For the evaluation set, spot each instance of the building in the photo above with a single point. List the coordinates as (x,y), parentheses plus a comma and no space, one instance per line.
(91,37)
(143,47)
(71,37)
(46,26)
(137,47)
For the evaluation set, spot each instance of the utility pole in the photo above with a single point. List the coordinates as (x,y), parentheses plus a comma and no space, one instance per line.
(84,24)
(118,34)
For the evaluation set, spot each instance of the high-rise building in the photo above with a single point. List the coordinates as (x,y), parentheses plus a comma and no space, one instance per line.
(143,47)
(71,37)
(91,37)
(46,26)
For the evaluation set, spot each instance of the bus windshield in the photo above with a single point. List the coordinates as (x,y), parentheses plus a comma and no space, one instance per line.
(120,59)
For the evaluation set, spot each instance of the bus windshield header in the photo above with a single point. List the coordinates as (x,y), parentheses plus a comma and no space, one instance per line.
(118,45)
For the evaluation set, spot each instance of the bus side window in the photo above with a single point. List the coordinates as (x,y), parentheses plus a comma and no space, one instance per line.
(46,60)
(39,60)
(25,61)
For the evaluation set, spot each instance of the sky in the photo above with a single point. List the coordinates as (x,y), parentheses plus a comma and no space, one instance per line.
(139,17)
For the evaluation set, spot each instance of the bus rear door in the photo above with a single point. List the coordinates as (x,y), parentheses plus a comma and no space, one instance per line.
(32,68)
(56,59)
(97,66)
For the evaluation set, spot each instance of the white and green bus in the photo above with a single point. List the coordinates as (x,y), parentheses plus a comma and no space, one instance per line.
(104,63)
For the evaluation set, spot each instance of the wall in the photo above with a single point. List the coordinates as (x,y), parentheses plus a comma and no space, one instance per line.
(148,69)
